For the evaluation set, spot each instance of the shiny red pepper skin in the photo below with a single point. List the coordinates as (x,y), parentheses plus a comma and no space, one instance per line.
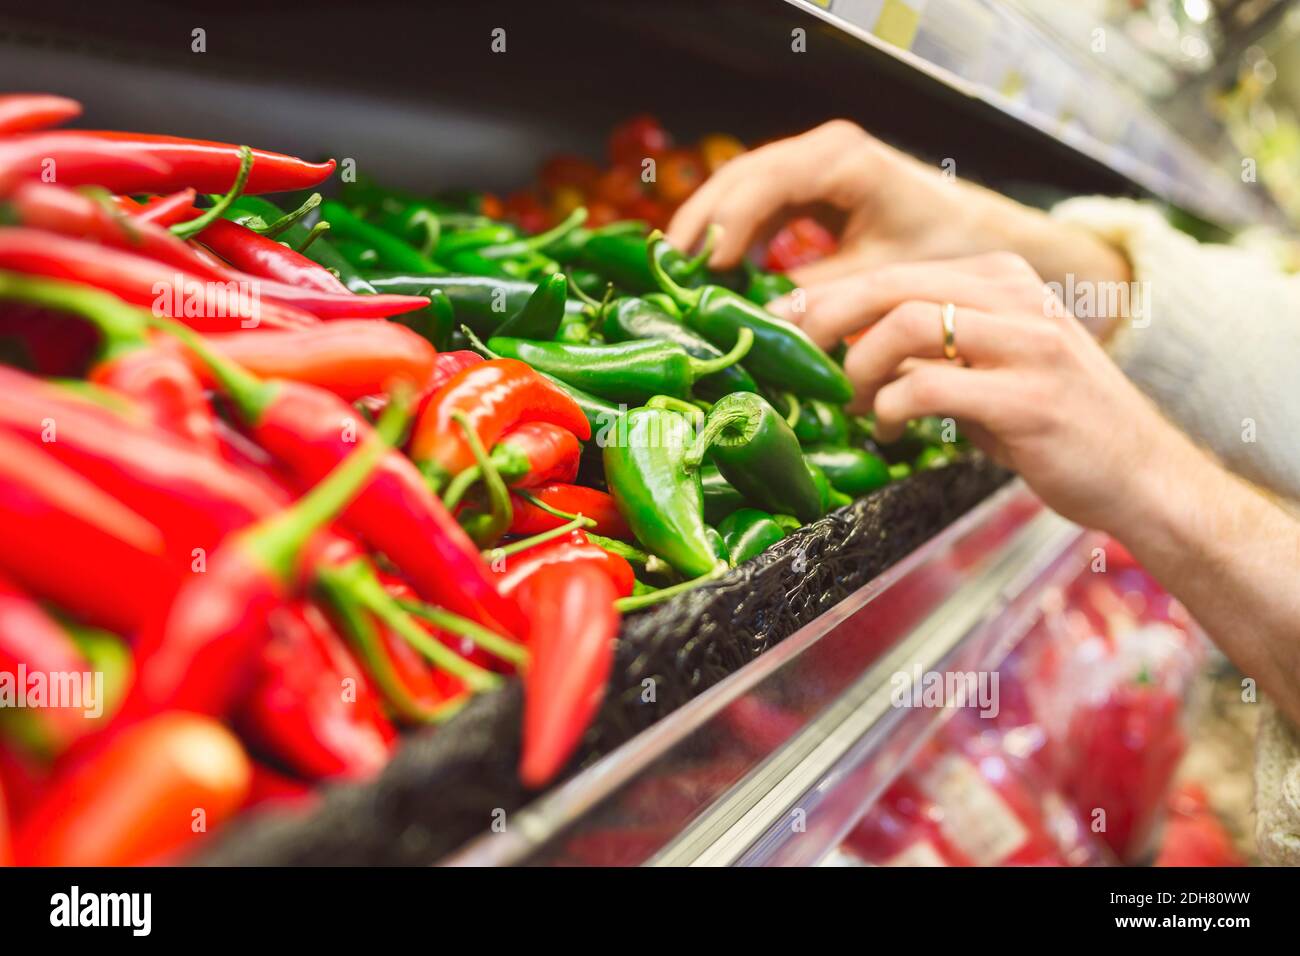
(165,210)
(192,498)
(450,364)
(534,453)
(591,503)
(494,396)
(575,547)
(166,389)
(208,167)
(23,112)
(350,359)
(68,541)
(574,625)
(307,430)
(77,159)
(257,255)
(296,711)
(6,844)
(146,282)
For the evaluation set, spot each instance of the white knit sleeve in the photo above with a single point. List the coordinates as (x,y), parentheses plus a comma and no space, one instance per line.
(1220,350)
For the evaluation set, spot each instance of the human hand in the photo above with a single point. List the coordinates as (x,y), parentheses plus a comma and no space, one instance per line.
(1032,389)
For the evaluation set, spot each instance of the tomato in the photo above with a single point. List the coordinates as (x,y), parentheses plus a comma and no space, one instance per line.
(568,170)
(620,186)
(601,213)
(799,242)
(647,210)
(636,139)
(678,174)
(526,211)
(718,148)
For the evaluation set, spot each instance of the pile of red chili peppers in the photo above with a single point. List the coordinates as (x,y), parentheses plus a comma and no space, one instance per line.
(278,482)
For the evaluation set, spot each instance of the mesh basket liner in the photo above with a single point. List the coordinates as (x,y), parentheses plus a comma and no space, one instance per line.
(443,786)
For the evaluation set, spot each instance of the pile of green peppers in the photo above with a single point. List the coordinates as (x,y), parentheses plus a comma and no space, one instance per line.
(720,428)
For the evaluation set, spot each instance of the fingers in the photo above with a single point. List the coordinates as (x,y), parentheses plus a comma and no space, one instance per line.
(980,396)
(915,330)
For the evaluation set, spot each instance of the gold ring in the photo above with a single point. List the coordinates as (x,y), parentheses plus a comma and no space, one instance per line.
(949,316)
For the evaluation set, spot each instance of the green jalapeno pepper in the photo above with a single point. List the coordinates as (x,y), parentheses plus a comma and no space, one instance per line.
(655,490)
(783,356)
(852,471)
(625,372)
(720,497)
(481,302)
(764,287)
(756,452)
(623,257)
(821,423)
(634,318)
(747,533)
(541,315)
(392,252)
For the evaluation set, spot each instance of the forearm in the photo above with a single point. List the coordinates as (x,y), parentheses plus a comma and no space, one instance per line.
(1231,556)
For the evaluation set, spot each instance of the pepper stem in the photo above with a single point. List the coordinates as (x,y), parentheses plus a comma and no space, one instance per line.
(701,258)
(538,242)
(680,405)
(122,326)
(477,344)
(575,523)
(498,494)
(637,601)
(317,231)
(288,219)
(445,620)
(744,342)
(796,410)
(685,298)
(714,425)
(184,230)
(278,540)
(582,296)
(250,394)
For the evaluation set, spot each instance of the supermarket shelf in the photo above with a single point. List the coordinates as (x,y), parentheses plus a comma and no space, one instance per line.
(991,52)
(807,726)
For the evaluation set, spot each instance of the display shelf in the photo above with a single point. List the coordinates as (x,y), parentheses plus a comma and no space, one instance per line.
(992,52)
(807,729)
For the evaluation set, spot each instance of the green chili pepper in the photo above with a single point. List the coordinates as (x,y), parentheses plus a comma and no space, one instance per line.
(361,255)
(720,497)
(541,315)
(623,258)
(757,453)
(625,372)
(764,287)
(783,356)
(575,329)
(822,483)
(656,492)
(787,523)
(664,303)
(718,545)
(900,470)
(393,253)
(747,533)
(821,423)
(519,246)
(249,209)
(633,318)
(481,302)
(933,457)
(436,321)
(470,240)
(852,471)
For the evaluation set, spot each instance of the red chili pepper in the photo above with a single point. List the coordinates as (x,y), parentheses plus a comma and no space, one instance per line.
(6,848)
(572,499)
(21,112)
(159,380)
(196,657)
(449,364)
(493,396)
(192,498)
(69,541)
(534,453)
(76,159)
(301,710)
(574,547)
(272,788)
(257,255)
(308,430)
(134,801)
(206,166)
(196,299)
(350,359)
(166,210)
(574,624)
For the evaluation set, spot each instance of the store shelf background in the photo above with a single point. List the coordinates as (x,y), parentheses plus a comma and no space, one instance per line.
(992,51)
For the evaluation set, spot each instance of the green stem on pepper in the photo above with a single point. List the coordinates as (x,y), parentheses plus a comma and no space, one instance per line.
(186,230)
(493,643)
